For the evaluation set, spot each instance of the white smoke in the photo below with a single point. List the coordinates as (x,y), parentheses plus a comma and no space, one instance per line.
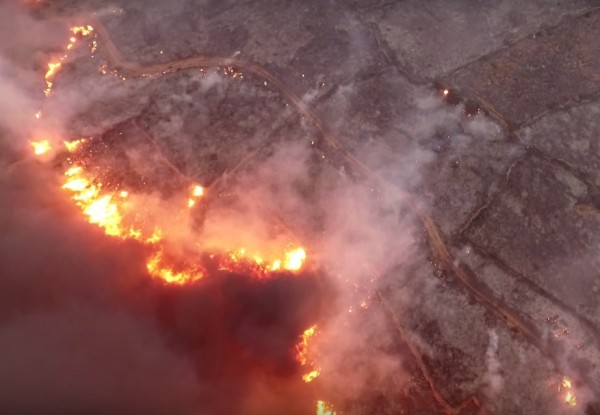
(493,378)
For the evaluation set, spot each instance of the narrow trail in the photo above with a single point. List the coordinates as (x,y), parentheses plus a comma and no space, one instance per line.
(439,249)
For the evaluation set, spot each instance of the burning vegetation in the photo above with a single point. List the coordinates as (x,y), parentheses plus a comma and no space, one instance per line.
(239,311)
(252,302)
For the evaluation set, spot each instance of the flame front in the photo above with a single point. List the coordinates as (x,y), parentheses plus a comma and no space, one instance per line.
(158,268)
(303,354)
(53,68)
(119,216)
(98,206)
(109,210)
(55,65)
(302,347)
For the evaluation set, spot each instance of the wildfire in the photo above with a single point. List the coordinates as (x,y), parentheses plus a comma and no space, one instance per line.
(73,145)
(569,396)
(324,408)
(157,268)
(111,211)
(82,30)
(119,217)
(120,213)
(292,262)
(310,376)
(98,207)
(53,67)
(303,354)
(40,147)
(302,348)
(294,259)
(570,399)
(106,209)
(197,192)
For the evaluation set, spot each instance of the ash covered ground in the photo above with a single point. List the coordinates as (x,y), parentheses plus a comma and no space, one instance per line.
(447,193)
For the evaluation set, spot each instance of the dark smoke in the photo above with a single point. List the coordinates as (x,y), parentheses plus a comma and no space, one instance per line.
(238,329)
(85,330)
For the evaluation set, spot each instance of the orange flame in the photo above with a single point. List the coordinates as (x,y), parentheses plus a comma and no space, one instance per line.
(40,147)
(324,408)
(197,192)
(118,216)
(569,397)
(310,376)
(302,347)
(73,145)
(53,67)
(265,266)
(303,354)
(294,259)
(157,268)
(82,30)
(108,209)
